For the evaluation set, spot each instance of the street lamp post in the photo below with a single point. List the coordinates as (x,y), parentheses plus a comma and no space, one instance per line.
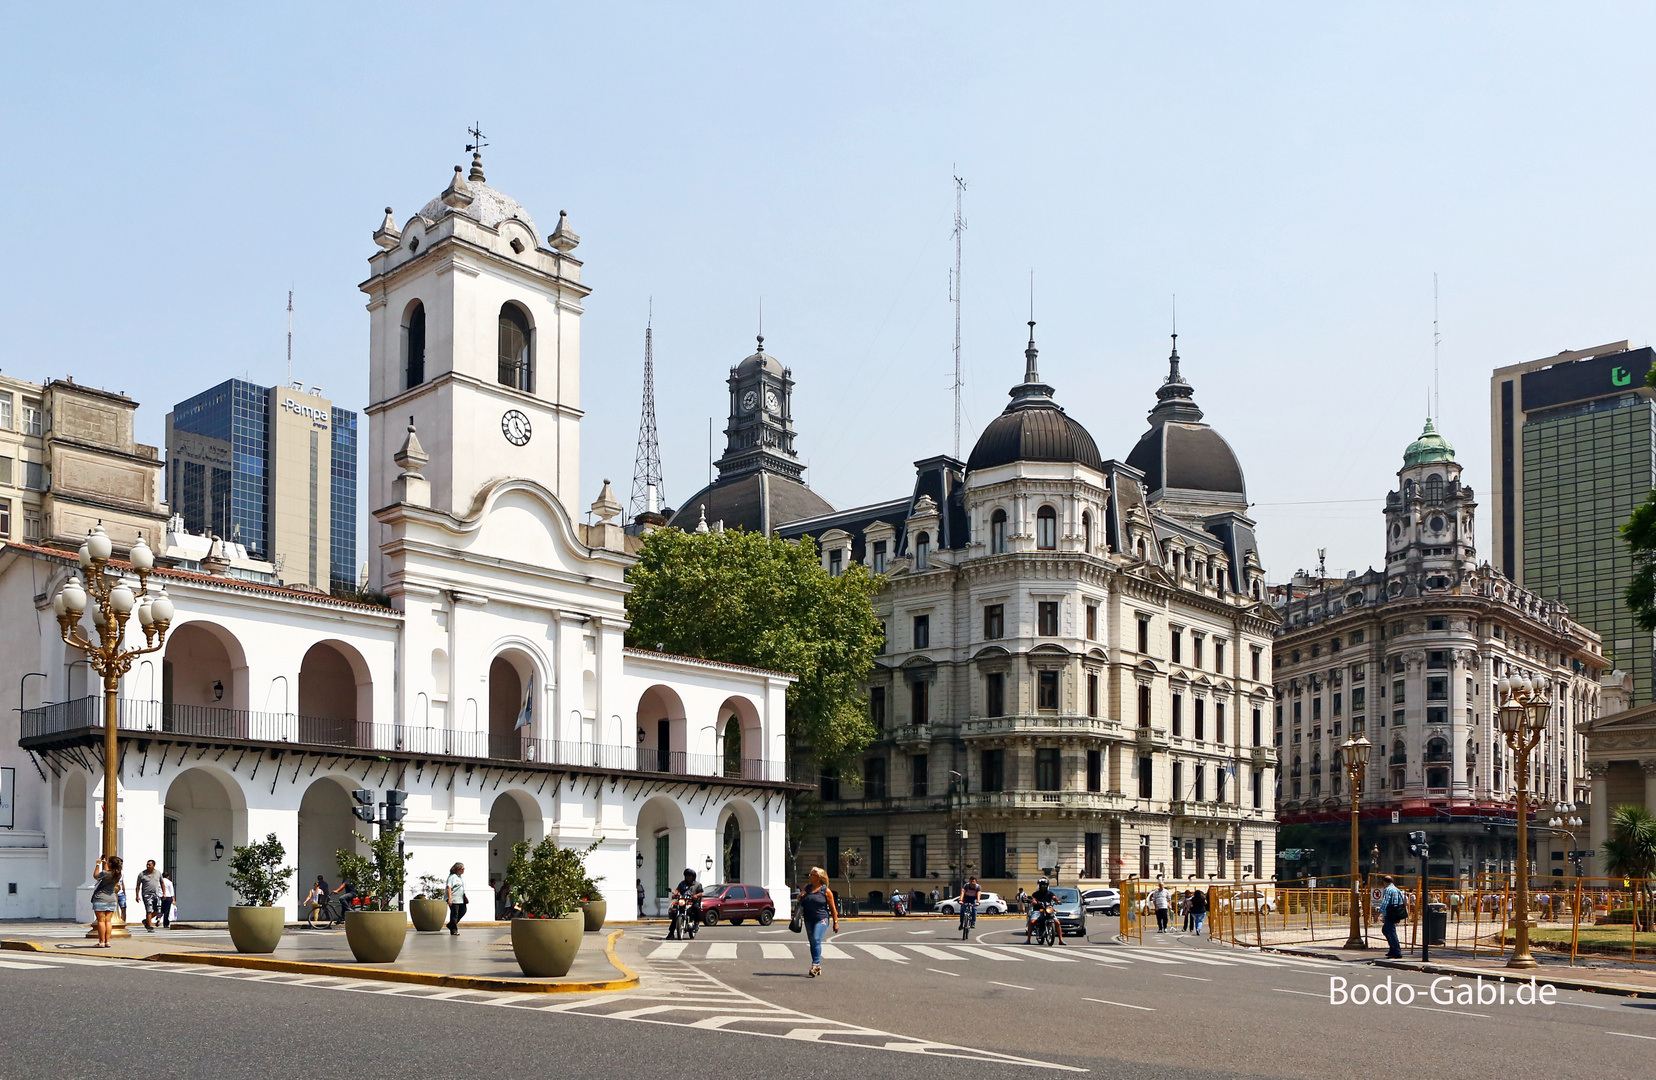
(113,601)
(1354,755)
(1523,713)
(1566,820)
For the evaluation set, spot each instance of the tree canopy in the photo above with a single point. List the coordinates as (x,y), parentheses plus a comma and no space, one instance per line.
(745,598)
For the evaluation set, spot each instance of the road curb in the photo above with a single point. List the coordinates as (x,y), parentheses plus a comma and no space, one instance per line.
(21,946)
(629,980)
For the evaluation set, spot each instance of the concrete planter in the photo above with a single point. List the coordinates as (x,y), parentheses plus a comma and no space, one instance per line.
(595,911)
(376,937)
(256,929)
(546,948)
(428,915)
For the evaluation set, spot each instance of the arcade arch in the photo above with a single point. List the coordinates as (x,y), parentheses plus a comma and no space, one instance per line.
(336,696)
(662,737)
(661,842)
(204,809)
(325,827)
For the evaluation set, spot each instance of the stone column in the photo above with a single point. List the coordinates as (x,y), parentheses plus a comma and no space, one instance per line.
(1649,767)
(1598,817)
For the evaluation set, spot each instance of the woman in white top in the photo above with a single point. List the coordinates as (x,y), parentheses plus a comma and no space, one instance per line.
(455,893)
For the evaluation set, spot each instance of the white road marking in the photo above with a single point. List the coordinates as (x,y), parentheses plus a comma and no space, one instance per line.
(911,931)
(1121,1004)
(1301,993)
(1192,978)
(1144,954)
(669,951)
(776,951)
(950,974)
(834,952)
(1630,1035)
(23,967)
(722,950)
(1579,1005)
(936,954)
(1014,986)
(988,954)
(1455,1012)
(1047,954)
(880,952)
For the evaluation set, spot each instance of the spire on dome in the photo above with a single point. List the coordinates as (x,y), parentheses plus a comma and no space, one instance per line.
(476,148)
(1175,400)
(1032,392)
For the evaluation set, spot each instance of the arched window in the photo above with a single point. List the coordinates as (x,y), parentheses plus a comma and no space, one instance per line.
(517,349)
(732,849)
(922,551)
(733,746)
(414,346)
(997,533)
(1046,529)
(1086,531)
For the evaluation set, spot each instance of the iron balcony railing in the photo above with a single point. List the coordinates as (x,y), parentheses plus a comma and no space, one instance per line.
(211,722)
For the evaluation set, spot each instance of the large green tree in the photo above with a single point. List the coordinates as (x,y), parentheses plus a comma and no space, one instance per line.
(1630,852)
(745,598)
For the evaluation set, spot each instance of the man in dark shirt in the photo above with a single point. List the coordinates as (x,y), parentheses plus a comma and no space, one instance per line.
(1039,901)
(691,891)
(149,893)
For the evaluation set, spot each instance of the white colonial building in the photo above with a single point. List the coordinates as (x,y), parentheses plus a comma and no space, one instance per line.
(490,680)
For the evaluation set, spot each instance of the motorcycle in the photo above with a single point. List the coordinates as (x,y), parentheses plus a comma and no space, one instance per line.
(682,921)
(899,904)
(1046,925)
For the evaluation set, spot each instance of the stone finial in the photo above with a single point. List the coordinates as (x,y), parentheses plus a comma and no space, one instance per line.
(412,488)
(701,526)
(388,235)
(217,559)
(476,174)
(458,194)
(412,457)
(607,508)
(563,238)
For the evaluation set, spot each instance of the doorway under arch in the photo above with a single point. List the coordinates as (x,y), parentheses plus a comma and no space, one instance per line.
(514,818)
(206,817)
(511,694)
(77,866)
(326,825)
(661,841)
(336,696)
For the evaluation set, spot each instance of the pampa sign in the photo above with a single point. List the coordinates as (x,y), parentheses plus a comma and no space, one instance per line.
(310,412)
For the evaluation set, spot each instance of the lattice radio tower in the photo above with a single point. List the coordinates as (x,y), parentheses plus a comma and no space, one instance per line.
(646,490)
(954,290)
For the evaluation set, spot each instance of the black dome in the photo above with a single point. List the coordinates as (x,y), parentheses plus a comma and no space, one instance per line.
(1189,456)
(1038,434)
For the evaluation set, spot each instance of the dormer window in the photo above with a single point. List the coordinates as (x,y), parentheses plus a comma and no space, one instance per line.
(1086,532)
(879,556)
(517,356)
(414,346)
(997,533)
(1046,529)
(922,551)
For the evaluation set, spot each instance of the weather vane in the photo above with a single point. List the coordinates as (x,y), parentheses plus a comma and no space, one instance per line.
(476,132)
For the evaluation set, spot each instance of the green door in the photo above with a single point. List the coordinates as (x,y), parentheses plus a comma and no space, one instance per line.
(661,866)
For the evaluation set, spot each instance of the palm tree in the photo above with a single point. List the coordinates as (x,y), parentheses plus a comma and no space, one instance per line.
(1630,852)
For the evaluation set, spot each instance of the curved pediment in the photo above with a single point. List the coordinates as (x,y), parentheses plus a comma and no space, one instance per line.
(519,520)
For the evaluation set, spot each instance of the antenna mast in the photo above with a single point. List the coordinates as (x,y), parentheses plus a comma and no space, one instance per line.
(954,289)
(646,489)
(1436,337)
(290,338)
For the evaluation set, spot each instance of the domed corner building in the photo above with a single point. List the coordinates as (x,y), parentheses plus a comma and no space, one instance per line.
(1075,677)
(761,483)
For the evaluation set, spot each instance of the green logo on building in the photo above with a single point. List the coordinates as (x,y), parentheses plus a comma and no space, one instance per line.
(1620,376)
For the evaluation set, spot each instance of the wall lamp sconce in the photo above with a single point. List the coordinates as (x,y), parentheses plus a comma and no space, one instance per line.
(709,862)
(640,860)
(218,690)
(218,850)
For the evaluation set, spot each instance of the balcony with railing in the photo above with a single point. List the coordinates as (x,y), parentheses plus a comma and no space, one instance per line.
(1207,811)
(1027,799)
(1039,724)
(1264,756)
(1150,738)
(67,721)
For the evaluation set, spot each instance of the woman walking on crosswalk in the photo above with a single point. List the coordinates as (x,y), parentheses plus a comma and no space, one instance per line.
(818,909)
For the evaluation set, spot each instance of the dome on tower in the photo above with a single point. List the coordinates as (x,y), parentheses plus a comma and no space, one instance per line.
(760,361)
(1033,428)
(1430,447)
(1179,452)
(477,200)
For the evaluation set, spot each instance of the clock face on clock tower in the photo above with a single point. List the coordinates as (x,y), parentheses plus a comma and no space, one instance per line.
(772,402)
(749,400)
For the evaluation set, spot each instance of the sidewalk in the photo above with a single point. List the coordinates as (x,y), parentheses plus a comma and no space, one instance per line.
(1595,979)
(479,958)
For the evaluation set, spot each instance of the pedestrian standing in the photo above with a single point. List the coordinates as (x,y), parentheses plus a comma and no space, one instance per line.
(640,897)
(455,893)
(106,889)
(148,885)
(1198,910)
(169,899)
(1184,911)
(1393,910)
(317,899)
(1161,900)
(819,910)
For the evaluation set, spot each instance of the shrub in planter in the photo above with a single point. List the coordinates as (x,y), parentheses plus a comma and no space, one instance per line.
(375,931)
(547,882)
(429,908)
(259,878)
(593,906)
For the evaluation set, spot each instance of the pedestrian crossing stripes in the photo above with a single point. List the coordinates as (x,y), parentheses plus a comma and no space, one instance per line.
(906,951)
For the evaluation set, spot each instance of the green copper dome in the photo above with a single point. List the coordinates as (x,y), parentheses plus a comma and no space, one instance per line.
(1428,448)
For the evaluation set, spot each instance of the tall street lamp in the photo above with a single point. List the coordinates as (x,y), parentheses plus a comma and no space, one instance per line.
(1523,712)
(113,602)
(1566,820)
(1354,754)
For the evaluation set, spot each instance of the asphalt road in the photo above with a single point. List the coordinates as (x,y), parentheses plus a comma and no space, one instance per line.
(906,997)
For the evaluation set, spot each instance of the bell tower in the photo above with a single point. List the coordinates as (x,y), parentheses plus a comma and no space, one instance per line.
(1429,521)
(760,433)
(475,343)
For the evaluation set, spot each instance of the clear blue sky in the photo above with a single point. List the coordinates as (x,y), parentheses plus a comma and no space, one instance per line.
(1295,174)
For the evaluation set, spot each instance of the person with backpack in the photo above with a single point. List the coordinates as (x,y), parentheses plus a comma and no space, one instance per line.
(1394,908)
(1198,910)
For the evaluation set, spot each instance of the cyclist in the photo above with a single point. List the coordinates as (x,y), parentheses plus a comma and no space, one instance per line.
(690,891)
(968,901)
(1039,901)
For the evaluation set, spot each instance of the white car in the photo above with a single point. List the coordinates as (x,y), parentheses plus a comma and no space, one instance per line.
(988,904)
(1102,901)
(1250,901)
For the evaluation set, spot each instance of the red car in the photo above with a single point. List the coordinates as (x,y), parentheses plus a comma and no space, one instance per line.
(733,903)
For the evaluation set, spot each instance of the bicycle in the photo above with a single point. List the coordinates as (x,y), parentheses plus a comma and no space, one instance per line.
(968,919)
(329,911)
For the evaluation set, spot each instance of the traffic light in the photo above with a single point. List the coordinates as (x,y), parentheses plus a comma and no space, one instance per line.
(394,809)
(364,808)
(1418,846)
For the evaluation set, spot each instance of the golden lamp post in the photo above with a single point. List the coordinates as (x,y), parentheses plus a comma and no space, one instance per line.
(1354,756)
(113,601)
(1523,717)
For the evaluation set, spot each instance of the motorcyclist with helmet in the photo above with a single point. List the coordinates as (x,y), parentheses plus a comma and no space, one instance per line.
(689,892)
(1040,900)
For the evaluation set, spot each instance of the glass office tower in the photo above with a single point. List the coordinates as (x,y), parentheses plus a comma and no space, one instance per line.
(1575,453)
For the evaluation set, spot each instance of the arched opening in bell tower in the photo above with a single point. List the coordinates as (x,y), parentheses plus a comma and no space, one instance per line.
(517,349)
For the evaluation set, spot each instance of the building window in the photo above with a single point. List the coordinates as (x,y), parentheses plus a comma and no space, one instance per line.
(1143,635)
(1175,645)
(922,551)
(1258,733)
(517,353)
(1219,657)
(1397,692)
(1092,622)
(828,784)
(1047,616)
(919,702)
(1086,532)
(1092,693)
(874,778)
(1178,714)
(1437,659)
(5,412)
(1200,724)
(1046,768)
(1357,637)
(1437,714)
(1144,706)
(1437,622)
(31,524)
(1178,780)
(1359,698)
(5,519)
(879,556)
(1201,783)
(35,476)
(1258,793)
(880,646)
(922,631)
(997,533)
(1219,722)
(918,774)
(1437,688)
(6,470)
(1316,709)
(994,770)
(1255,658)
(1218,785)
(831,855)
(1092,864)
(1095,770)
(1196,649)
(876,857)
(1337,703)
(877,706)
(1145,773)
(414,346)
(994,621)
(1046,683)
(34,421)
(1046,529)
(1397,718)
(836,562)
(994,694)
(994,854)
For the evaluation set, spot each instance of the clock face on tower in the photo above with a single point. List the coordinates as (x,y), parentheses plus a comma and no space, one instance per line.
(749,400)
(515,426)
(772,402)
